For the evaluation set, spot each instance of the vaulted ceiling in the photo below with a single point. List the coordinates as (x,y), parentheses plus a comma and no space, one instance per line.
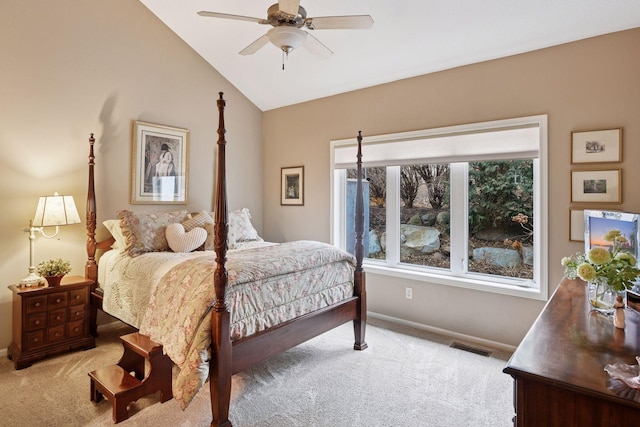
(408,38)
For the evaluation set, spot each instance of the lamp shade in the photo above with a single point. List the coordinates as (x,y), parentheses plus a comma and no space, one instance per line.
(55,210)
(287,38)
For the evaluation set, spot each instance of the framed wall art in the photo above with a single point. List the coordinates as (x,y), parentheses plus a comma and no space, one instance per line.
(159,164)
(292,186)
(576,225)
(596,186)
(597,146)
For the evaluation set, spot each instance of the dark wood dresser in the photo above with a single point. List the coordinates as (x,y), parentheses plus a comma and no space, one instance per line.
(559,366)
(49,320)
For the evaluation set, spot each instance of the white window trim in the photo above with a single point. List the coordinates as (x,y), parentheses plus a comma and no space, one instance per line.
(391,267)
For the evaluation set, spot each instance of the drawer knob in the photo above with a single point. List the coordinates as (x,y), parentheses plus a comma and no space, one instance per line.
(37,322)
(77,296)
(57,300)
(36,340)
(57,334)
(37,304)
(58,318)
(76,329)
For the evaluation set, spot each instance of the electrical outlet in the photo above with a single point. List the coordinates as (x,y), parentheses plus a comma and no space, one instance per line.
(408,293)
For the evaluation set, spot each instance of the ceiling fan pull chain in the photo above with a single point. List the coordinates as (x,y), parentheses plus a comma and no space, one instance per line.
(284,52)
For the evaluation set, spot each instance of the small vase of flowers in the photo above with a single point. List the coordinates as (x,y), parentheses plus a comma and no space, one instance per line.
(608,271)
(54,270)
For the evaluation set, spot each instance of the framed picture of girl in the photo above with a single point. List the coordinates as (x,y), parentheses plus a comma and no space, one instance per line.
(160,164)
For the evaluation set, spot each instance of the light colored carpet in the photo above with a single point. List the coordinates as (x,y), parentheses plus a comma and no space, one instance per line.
(406,377)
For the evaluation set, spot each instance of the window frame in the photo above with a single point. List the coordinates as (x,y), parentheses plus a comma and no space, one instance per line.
(391,266)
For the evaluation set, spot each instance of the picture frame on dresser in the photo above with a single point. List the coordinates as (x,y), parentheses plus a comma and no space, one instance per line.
(596,146)
(596,186)
(598,222)
(159,164)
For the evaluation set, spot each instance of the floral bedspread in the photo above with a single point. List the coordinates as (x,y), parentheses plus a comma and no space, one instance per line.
(267,286)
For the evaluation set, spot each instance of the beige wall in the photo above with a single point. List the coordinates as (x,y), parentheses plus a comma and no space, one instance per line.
(591,84)
(71,67)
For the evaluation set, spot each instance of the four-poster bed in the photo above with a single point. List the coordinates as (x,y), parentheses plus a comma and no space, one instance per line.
(232,354)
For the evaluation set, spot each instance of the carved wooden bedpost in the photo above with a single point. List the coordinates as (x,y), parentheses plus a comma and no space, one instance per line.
(360,288)
(220,364)
(91,267)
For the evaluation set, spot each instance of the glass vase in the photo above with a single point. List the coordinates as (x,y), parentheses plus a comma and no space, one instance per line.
(602,296)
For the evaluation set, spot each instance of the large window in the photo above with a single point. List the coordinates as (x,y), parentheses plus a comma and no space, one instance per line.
(463,205)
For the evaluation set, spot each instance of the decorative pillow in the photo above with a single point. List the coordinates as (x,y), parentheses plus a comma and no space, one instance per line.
(240,227)
(185,241)
(113,226)
(202,219)
(145,231)
(209,243)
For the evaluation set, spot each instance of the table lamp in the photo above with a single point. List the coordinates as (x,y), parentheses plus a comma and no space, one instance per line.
(54,210)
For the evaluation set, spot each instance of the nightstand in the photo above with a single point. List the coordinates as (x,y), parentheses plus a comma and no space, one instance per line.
(49,320)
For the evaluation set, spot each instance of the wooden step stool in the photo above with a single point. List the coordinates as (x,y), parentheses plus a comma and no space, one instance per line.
(127,382)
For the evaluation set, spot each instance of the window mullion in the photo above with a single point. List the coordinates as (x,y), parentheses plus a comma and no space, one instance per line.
(459,214)
(393,216)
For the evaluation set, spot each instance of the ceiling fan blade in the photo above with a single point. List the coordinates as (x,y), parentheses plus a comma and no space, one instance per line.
(346,22)
(228,16)
(255,46)
(316,47)
(290,7)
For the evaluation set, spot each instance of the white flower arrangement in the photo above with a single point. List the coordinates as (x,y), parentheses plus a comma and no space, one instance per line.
(615,267)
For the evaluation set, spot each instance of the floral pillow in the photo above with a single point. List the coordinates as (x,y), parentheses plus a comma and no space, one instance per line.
(145,231)
(240,227)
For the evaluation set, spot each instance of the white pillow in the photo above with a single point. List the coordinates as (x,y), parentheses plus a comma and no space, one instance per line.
(185,241)
(240,227)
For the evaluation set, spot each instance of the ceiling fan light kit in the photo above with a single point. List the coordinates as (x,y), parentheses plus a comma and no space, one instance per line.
(288,18)
(287,38)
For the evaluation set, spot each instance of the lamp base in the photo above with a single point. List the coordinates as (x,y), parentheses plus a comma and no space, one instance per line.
(33,280)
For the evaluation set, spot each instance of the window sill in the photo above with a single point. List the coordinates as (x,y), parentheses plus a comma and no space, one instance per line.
(467,283)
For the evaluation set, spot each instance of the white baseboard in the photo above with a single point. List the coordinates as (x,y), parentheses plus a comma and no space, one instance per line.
(455,335)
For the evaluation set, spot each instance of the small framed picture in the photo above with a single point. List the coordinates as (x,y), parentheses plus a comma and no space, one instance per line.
(160,164)
(596,146)
(292,186)
(576,225)
(596,186)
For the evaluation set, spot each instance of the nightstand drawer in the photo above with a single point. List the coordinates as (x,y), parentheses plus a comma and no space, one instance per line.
(77,312)
(78,296)
(57,317)
(55,334)
(59,299)
(34,339)
(36,321)
(36,304)
(75,329)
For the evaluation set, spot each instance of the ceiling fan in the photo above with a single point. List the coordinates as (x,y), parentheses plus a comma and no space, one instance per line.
(288,18)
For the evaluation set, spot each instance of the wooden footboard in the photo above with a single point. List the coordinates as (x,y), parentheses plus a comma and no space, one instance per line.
(229,358)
